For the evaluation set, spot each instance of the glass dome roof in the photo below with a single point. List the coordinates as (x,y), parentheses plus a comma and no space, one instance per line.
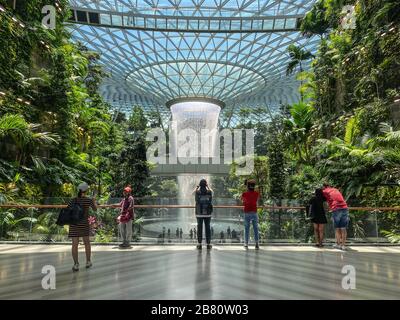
(155,51)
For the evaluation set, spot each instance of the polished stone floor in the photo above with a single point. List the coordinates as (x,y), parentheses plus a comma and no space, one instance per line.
(181,272)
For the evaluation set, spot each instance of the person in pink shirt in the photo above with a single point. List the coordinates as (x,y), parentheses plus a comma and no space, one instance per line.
(125,218)
(340,214)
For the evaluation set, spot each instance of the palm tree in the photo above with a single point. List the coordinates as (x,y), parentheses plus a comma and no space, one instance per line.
(297,55)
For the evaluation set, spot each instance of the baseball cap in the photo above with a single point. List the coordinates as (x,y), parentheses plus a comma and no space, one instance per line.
(83,187)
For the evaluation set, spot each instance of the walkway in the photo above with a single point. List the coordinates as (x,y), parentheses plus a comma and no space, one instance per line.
(181,272)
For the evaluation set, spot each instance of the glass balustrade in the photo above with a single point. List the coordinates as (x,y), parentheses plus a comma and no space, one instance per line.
(193,23)
(161,220)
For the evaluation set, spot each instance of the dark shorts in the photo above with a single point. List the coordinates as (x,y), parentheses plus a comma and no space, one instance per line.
(340,218)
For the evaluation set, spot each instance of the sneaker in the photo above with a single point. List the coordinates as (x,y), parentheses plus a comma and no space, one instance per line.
(209,246)
(89,264)
(336,246)
(257,246)
(343,248)
(199,246)
(75,267)
(246,246)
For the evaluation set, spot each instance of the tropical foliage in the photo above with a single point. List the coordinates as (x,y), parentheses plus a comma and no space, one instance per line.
(56,130)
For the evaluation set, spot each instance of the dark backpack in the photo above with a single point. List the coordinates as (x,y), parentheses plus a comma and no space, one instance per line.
(70,215)
(204,202)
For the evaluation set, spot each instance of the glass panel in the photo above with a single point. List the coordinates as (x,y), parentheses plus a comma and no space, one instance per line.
(105,19)
(150,23)
(81,16)
(214,25)
(182,24)
(246,24)
(139,22)
(257,25)
(224,25)
(94,17)
(291,23)
(116,20)
(151,226)
(172,24)
(129,21)
(268,24)
(279,24)
(235,24)
(161,23)
(203,25)
(193,24)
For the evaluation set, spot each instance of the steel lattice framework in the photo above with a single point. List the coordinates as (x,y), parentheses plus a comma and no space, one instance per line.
(157,51)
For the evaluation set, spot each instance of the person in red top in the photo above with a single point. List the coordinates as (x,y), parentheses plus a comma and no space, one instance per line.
(340,214)
(125,218)
(249,200)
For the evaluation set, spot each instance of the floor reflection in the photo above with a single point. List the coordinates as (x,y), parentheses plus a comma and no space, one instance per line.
(187,273)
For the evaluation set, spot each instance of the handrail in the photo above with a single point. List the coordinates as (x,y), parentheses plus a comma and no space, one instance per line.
(155,206)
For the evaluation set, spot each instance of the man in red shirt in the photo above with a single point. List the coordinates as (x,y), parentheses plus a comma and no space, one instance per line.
(250,199)
(340,214)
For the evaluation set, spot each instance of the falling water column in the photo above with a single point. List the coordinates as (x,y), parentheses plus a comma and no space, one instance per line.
(191,120)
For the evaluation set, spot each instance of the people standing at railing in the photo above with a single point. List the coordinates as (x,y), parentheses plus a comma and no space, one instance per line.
(318,218)
(81,229)
(250,199)
(203,210)
(125,219)
(234,235)
(340,214)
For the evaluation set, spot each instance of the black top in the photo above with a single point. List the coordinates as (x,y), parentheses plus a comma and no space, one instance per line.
(317,210)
